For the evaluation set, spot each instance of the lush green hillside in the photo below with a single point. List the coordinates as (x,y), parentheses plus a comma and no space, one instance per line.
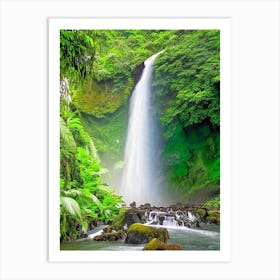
(187,86)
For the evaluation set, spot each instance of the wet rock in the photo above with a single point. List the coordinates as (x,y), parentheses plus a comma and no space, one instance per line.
(177,206)
(141,234)
(93,223)
(107,229)
(132,218)
(83,235)
(120,221)
(135,215)
(138,72)
(145,206)
(201,212)
(180,222)
(111,236)
(156,244)
(213,217)
(161,218)
(133,204)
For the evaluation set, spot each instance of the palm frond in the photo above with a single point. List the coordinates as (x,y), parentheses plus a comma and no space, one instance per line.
(104,188)
(97,202)
(71,206)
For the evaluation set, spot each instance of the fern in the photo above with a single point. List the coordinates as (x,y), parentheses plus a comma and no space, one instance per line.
(66,136)
(71,206)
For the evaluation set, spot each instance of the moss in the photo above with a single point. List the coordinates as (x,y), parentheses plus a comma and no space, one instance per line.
(156,244)
(213,216)
(202,212)
(108,133)
(120,220)
(99,99)
(139,233)
(111,236)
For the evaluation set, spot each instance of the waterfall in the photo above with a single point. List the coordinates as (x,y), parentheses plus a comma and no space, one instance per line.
(140,180)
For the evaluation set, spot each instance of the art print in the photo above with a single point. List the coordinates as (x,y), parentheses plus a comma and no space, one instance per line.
(141,143)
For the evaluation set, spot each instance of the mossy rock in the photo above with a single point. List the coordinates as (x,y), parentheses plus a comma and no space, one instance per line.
(202,212)
(156,244)
(119,222)
(107,229)
(141,234)
(213,216)
(101,98)
(111,236)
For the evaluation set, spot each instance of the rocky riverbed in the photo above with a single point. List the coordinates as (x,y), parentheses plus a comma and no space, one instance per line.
(173,215)
(150,227)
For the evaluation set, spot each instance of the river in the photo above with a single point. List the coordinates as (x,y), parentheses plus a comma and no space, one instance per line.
(206,238)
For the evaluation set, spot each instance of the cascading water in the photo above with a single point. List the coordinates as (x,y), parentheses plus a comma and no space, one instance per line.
(140,176)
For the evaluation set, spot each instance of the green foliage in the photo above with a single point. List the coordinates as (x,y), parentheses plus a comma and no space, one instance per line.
(71,206)
(186,83)
(193,70)
(213,203)
(109,136)
(83,197)
(77,53)
(99,65)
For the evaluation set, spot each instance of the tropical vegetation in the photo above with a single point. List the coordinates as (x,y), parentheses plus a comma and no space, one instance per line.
(98,70)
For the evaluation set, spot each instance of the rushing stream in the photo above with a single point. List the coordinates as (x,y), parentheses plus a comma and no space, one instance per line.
(183,226)
(207,238)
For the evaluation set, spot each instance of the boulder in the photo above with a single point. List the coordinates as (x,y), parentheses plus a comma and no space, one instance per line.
(135,215)
(119,222)
(161,218)
(156,244)
(107,229)
(132,204)
(141,234)
(177,206)
(201,212)
(111,236)
(145,206)
(213,217)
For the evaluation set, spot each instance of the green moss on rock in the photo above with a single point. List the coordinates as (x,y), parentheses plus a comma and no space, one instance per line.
(213,216)
(120,220)
(140,234)
(99,99)
(111,236)
(202,212)
(156,244)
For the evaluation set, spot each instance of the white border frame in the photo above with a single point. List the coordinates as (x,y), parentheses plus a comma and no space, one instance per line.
(224,254)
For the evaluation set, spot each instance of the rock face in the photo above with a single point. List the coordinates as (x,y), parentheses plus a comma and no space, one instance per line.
(141,234)
(138,72)
(156,244)
(135,215)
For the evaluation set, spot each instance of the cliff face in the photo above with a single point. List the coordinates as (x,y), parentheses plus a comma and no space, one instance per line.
(138,72)
(108,128)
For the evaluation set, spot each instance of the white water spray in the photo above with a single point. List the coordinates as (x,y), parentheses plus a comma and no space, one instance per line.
(140,176)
